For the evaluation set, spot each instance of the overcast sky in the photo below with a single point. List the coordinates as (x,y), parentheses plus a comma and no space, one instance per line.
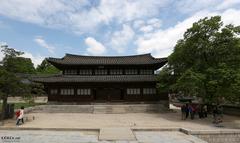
(51,28)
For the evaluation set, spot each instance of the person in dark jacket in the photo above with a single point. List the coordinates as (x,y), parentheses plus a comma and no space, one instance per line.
(191,111)
(187,111)
(183,111)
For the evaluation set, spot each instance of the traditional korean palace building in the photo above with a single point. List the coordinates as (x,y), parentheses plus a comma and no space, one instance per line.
(103,79)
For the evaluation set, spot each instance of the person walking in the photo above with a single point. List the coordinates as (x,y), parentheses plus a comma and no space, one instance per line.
(215,115)
(20,116)
(183,110)
(199,110)
(205,111)
(191,111)
(187,111)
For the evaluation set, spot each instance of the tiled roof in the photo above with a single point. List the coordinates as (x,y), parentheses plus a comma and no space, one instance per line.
(70,59)
(96,78)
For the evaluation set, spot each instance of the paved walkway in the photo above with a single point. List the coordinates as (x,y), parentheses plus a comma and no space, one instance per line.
(116,134)
(138,120)
(122,128)
(33,136)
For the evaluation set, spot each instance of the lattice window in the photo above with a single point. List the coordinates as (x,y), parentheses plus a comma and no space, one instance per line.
(70,72)
(149,90)
(116,71)
(67,92)
(133,91)
(146,71)
(101,72)
(85,91)
(53,91)
(85,71)
(131,71)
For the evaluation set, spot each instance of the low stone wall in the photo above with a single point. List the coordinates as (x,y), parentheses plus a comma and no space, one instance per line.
(100,109)
(39,99)
(218,136)
(231,110)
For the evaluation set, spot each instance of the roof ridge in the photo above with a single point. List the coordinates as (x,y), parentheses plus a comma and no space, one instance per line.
(104,75)
(74,55)
(53,58)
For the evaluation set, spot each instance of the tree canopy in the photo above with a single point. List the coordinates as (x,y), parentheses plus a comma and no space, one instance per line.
(46,68)
(14,70)
(12,61)
(19,65)
(206,62)
(10,84)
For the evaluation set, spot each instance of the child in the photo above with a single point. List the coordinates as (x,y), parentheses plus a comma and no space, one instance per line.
(19,115)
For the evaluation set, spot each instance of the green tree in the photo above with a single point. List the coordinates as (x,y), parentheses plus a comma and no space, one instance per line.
(10,84)
(206,62)
(37,89)
(19,65)
(12,61)
(165,80)
(46,68)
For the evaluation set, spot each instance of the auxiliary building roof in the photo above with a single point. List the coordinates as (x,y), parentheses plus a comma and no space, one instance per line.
(70,59)
(95,78)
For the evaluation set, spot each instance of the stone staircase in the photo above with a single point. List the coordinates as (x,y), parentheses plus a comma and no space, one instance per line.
(109,109)
(63,109)
(100,108)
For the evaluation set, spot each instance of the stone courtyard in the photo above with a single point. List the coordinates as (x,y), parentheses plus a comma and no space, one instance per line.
(132,120)
(128,127)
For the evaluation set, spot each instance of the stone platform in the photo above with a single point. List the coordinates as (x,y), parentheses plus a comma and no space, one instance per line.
(146,127)
(100,108)
(113,134)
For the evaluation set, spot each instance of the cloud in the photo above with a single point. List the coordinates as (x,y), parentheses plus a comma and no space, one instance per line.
(162,41)
(79,16)
(1,56)
(141,22)
(191,6)
(126,10)
(94,47)
(1,53)
(230,16)
(151,25)
(138,23)
(227,3)
(36,59)
(120,39)
(41,42)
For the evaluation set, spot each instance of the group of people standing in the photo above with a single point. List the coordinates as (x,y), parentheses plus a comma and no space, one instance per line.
(202,111)
(191,109)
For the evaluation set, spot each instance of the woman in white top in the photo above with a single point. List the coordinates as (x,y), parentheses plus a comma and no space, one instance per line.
(20,117)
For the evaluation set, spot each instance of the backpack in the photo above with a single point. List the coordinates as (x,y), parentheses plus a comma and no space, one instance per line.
(17,113)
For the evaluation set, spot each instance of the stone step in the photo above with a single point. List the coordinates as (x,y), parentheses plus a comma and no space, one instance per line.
(109,110)
(99,109)
(65,109)
(119,134)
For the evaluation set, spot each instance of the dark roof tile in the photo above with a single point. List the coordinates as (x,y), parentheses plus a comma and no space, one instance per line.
(96,78)
(70,59)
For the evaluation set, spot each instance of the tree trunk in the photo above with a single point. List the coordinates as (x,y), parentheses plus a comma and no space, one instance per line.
(4,105)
